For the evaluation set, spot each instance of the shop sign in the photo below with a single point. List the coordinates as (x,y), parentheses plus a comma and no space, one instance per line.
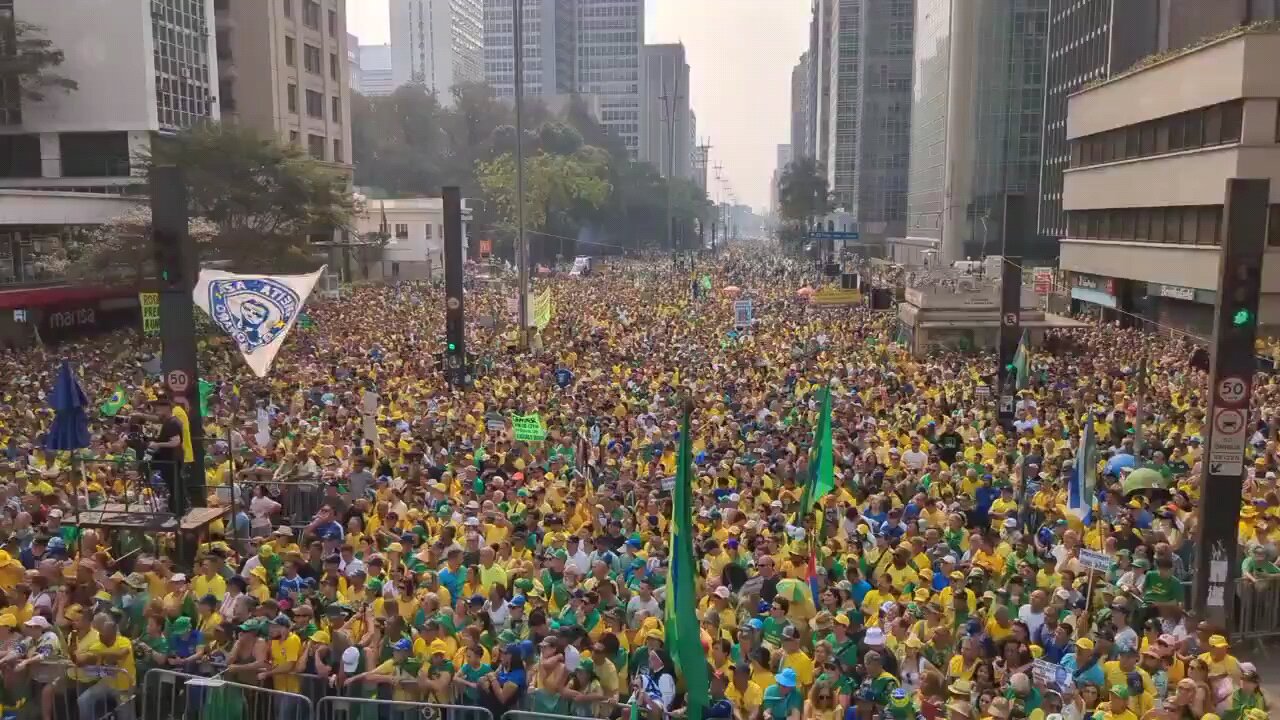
(1178,292)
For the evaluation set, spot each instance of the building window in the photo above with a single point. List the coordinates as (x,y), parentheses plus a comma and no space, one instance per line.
(311,14)
(395,269)
(315,146)
(20,157)
(333,65)
(337,151)
(288,8)
(293,98)
(293,137)
(428,231)
(402,231)
(333,23)
(100,154)
(335,108)
(1182,225)
(290,52)
(315,104)
(311,58)
(1202,127)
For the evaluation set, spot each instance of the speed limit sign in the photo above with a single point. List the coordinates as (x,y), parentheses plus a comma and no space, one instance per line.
(178,380)
(1232,390)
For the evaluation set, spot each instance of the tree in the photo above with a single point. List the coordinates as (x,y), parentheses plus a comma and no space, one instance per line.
(802,191)
(27,59)
(119,250)
(398,142)
(556,187)
(264,197)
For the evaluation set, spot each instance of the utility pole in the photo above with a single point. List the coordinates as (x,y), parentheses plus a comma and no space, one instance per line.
(522,247)
(671,108)
(1232,365)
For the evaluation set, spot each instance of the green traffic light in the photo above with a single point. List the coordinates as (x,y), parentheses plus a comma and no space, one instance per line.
(1241,318)
(453,346)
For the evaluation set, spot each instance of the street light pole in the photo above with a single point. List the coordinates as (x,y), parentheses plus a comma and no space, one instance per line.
(670,104)
(522,248)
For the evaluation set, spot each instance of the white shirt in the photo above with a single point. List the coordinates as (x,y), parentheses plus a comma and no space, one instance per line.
(915,459)
(1033,620)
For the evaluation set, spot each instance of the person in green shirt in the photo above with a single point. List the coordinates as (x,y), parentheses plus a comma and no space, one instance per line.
(151,649)
(775,621)
(470,673)
(1256,567)
(1160,589)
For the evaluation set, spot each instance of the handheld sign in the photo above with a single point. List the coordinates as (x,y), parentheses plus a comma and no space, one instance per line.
(528,428)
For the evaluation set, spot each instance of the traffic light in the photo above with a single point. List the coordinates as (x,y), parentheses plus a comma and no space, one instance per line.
(452,347)
(1241,317)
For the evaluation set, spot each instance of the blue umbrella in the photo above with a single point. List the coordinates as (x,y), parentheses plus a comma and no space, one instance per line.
(70,429)
(1115,464)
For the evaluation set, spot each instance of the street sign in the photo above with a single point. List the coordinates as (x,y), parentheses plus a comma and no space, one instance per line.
(1233,391)
(832,235)
(178,381)
(1227,442)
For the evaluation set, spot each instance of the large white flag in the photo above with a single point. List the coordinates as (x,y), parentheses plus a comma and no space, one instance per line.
(257,311)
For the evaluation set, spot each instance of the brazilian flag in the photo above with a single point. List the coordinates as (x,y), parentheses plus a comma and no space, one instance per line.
(114,403)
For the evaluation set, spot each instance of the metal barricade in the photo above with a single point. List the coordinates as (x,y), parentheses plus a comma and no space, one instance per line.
(540,705)
(362,708)
(1257,612)
(92,694)
(172,695)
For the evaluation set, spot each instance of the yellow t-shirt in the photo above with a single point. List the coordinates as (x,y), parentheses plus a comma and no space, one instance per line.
(284,656)
(120,681)
(188,455)
(748,699)
(803,666)
(957,671)
(214,586)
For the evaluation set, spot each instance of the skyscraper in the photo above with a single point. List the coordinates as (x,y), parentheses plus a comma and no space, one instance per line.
(977,104)
(376,76)
(1095,39)
(437,43)
(786,153)
(610,35)
(802,107)
(666,141)
(550,57)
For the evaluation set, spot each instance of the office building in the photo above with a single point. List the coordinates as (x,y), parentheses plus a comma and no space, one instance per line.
(666,140)
(610,35)
(784,157)
(152,70)
(1092,40)
(550,48)
(283,72)
(822,52)
(802,107)
(1150,152)
(376,76)
(437,44)
(976,121)
(415,237)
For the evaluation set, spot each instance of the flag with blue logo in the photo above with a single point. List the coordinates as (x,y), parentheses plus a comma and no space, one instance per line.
(1084,477)
(257,311)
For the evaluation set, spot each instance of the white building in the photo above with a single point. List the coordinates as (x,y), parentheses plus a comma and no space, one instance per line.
(437,43)
(415,226)
(151,69)
(376,75)
(610,35)
(665,79)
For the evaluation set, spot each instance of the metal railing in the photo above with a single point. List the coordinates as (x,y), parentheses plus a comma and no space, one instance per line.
(358,708)
(1257,614)
(171,695)
(47,690)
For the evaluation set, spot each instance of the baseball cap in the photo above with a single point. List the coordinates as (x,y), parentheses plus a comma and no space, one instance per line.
(350,659)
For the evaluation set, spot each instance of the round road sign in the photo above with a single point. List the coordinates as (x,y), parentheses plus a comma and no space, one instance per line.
(178,380)
(453,303)
(1232,390)
(1228,421)
(1010,319)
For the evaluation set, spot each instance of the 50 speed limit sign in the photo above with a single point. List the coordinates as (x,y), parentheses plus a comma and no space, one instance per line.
(1232,390)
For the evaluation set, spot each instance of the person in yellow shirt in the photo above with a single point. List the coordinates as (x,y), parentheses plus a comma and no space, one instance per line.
(286,660)
(209,582)
(745,694)
(112,650)
(1117,707)
(1220,662)
(795,658)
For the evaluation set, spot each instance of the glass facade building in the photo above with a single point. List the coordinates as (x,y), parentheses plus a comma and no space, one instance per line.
(977,110)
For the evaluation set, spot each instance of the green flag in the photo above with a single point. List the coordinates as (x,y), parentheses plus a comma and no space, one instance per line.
(206,389)
(683,634)
(113,404)
(822,477)
(1021,364)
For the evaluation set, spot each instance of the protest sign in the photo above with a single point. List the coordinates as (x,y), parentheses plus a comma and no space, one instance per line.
(529,428)
(542,309)
(1094,560)
(150,303)
(1050,675)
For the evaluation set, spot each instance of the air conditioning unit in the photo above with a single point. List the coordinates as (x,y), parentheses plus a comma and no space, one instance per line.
(185,72)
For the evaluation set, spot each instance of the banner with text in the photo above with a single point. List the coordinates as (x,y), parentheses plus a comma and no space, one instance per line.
(257,311)
(528,428)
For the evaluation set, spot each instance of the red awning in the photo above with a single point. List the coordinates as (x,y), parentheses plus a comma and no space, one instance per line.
(34,297)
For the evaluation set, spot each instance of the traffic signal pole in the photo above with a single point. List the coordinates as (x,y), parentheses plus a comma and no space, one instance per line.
(1231,369)
(455,349)
(1010,306)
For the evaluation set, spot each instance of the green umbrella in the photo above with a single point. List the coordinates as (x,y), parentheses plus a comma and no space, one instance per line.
(1142,479)
(793,590)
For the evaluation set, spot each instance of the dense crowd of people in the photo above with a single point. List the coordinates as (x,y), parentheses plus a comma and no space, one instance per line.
(388,537)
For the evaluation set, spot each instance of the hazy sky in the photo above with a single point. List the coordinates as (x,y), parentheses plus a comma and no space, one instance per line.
(740,53)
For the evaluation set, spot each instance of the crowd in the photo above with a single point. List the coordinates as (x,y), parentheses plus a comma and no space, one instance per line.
(414,550)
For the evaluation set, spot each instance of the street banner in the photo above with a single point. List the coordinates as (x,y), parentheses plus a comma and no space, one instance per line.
(257,311)
(834,296)
(542,309)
